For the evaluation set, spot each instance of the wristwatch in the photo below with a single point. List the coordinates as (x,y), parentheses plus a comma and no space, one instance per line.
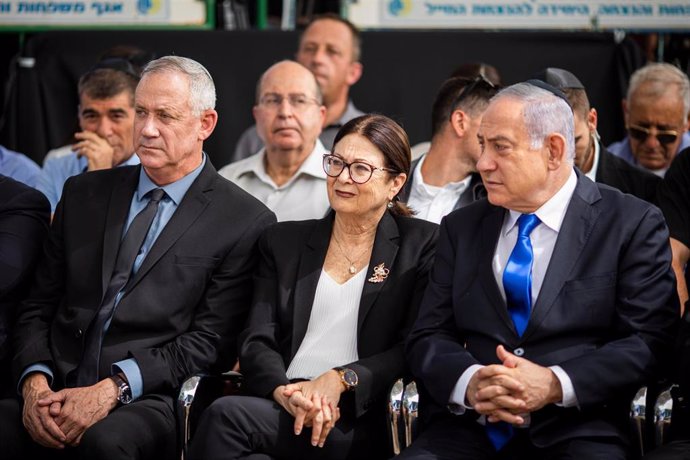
(348,377)
(124,392)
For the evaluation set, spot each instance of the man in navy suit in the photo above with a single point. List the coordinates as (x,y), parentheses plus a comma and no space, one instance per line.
(548,305)
(24,217)
(114,324)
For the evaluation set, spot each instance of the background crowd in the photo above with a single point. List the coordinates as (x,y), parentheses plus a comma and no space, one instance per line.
(529,276)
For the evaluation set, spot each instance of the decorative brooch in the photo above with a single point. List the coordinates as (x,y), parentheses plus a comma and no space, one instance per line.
(380,274)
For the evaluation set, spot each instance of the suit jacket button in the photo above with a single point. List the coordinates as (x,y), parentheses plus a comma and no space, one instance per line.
(519,351)
(78,334)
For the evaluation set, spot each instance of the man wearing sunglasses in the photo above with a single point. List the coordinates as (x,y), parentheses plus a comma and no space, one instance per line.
(591,157)
(656,112)
(446,178)
(286,175)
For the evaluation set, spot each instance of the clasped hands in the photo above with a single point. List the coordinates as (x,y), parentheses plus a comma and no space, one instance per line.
(507,391)
(59,419)
(313,403)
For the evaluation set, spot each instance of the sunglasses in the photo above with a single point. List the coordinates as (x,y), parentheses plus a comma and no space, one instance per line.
(641,133)
(478,83)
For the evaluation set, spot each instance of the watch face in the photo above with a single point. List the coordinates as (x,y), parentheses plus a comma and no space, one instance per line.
(350,378)
(125,396)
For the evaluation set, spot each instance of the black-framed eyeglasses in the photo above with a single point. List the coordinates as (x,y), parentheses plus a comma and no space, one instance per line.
(360,172)
(476,83)
(664,136)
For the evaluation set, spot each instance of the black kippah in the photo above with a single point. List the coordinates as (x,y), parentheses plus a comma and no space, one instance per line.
(551,89)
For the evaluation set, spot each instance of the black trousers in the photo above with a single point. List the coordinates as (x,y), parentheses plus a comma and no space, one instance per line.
(144,429)
(454,438)
(246,427)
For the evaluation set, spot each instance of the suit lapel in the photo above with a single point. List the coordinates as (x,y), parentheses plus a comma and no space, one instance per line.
(577,226)
(491,230)
(383,253)
(117,212)
(193,204)
(308,273)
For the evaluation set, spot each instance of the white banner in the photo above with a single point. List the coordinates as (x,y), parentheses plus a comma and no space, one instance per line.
(101,12)
(524,14)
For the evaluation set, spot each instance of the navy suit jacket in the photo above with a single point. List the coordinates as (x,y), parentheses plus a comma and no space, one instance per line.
(627,178)
(292,258)
(605,313)
(185,305)
(24,220)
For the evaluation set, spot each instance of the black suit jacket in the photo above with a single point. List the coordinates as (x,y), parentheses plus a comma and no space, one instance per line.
(627,178)
(292,257)
(605,313)
(187,302)
(24,220)
(474,192)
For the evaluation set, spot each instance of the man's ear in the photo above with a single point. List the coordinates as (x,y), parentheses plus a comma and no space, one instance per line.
(555,144)
(209,119)
(354,73)
(592,118)
(459,122)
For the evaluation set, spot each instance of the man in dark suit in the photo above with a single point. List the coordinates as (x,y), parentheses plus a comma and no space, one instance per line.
(445,178)
(548,305)
(591,157)
(145,280)
(24,220)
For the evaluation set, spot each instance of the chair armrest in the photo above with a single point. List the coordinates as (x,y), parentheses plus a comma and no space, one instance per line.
(196,394)
(638,417)
(410,412)
(663,407)
(395,397)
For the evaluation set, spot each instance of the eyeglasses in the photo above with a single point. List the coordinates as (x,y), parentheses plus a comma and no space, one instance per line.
(480,82)
(641,133)
(298,102)
(360,172)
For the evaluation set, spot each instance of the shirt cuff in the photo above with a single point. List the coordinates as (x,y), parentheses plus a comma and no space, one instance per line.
(456,403)
(569,396)
(130,368)
(42,368)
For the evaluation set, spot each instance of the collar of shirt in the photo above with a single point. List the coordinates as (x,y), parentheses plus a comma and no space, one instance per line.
(553,211)
(350,112)
(592,174)
(430,191)
(84,162)
(311,166)
(175,190)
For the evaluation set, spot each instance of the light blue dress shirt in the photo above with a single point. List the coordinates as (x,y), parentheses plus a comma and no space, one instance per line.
(57,170)
(18,166)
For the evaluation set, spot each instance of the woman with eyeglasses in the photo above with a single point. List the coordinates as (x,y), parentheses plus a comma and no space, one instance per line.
(334,300)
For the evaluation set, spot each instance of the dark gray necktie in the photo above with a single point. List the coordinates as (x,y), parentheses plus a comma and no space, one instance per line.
(87,372)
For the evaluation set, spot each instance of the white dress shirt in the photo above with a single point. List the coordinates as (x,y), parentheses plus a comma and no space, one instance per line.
(304,196)
(433,203)
(543,239)
(592,174)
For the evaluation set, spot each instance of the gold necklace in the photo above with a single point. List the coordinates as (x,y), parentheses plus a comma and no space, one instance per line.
(352,269)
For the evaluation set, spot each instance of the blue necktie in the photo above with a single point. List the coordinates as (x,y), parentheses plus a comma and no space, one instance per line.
(517,282)
(517,277)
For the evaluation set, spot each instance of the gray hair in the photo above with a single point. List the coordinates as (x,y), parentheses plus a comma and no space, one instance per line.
(202,91)
(543,113)
(662,75)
